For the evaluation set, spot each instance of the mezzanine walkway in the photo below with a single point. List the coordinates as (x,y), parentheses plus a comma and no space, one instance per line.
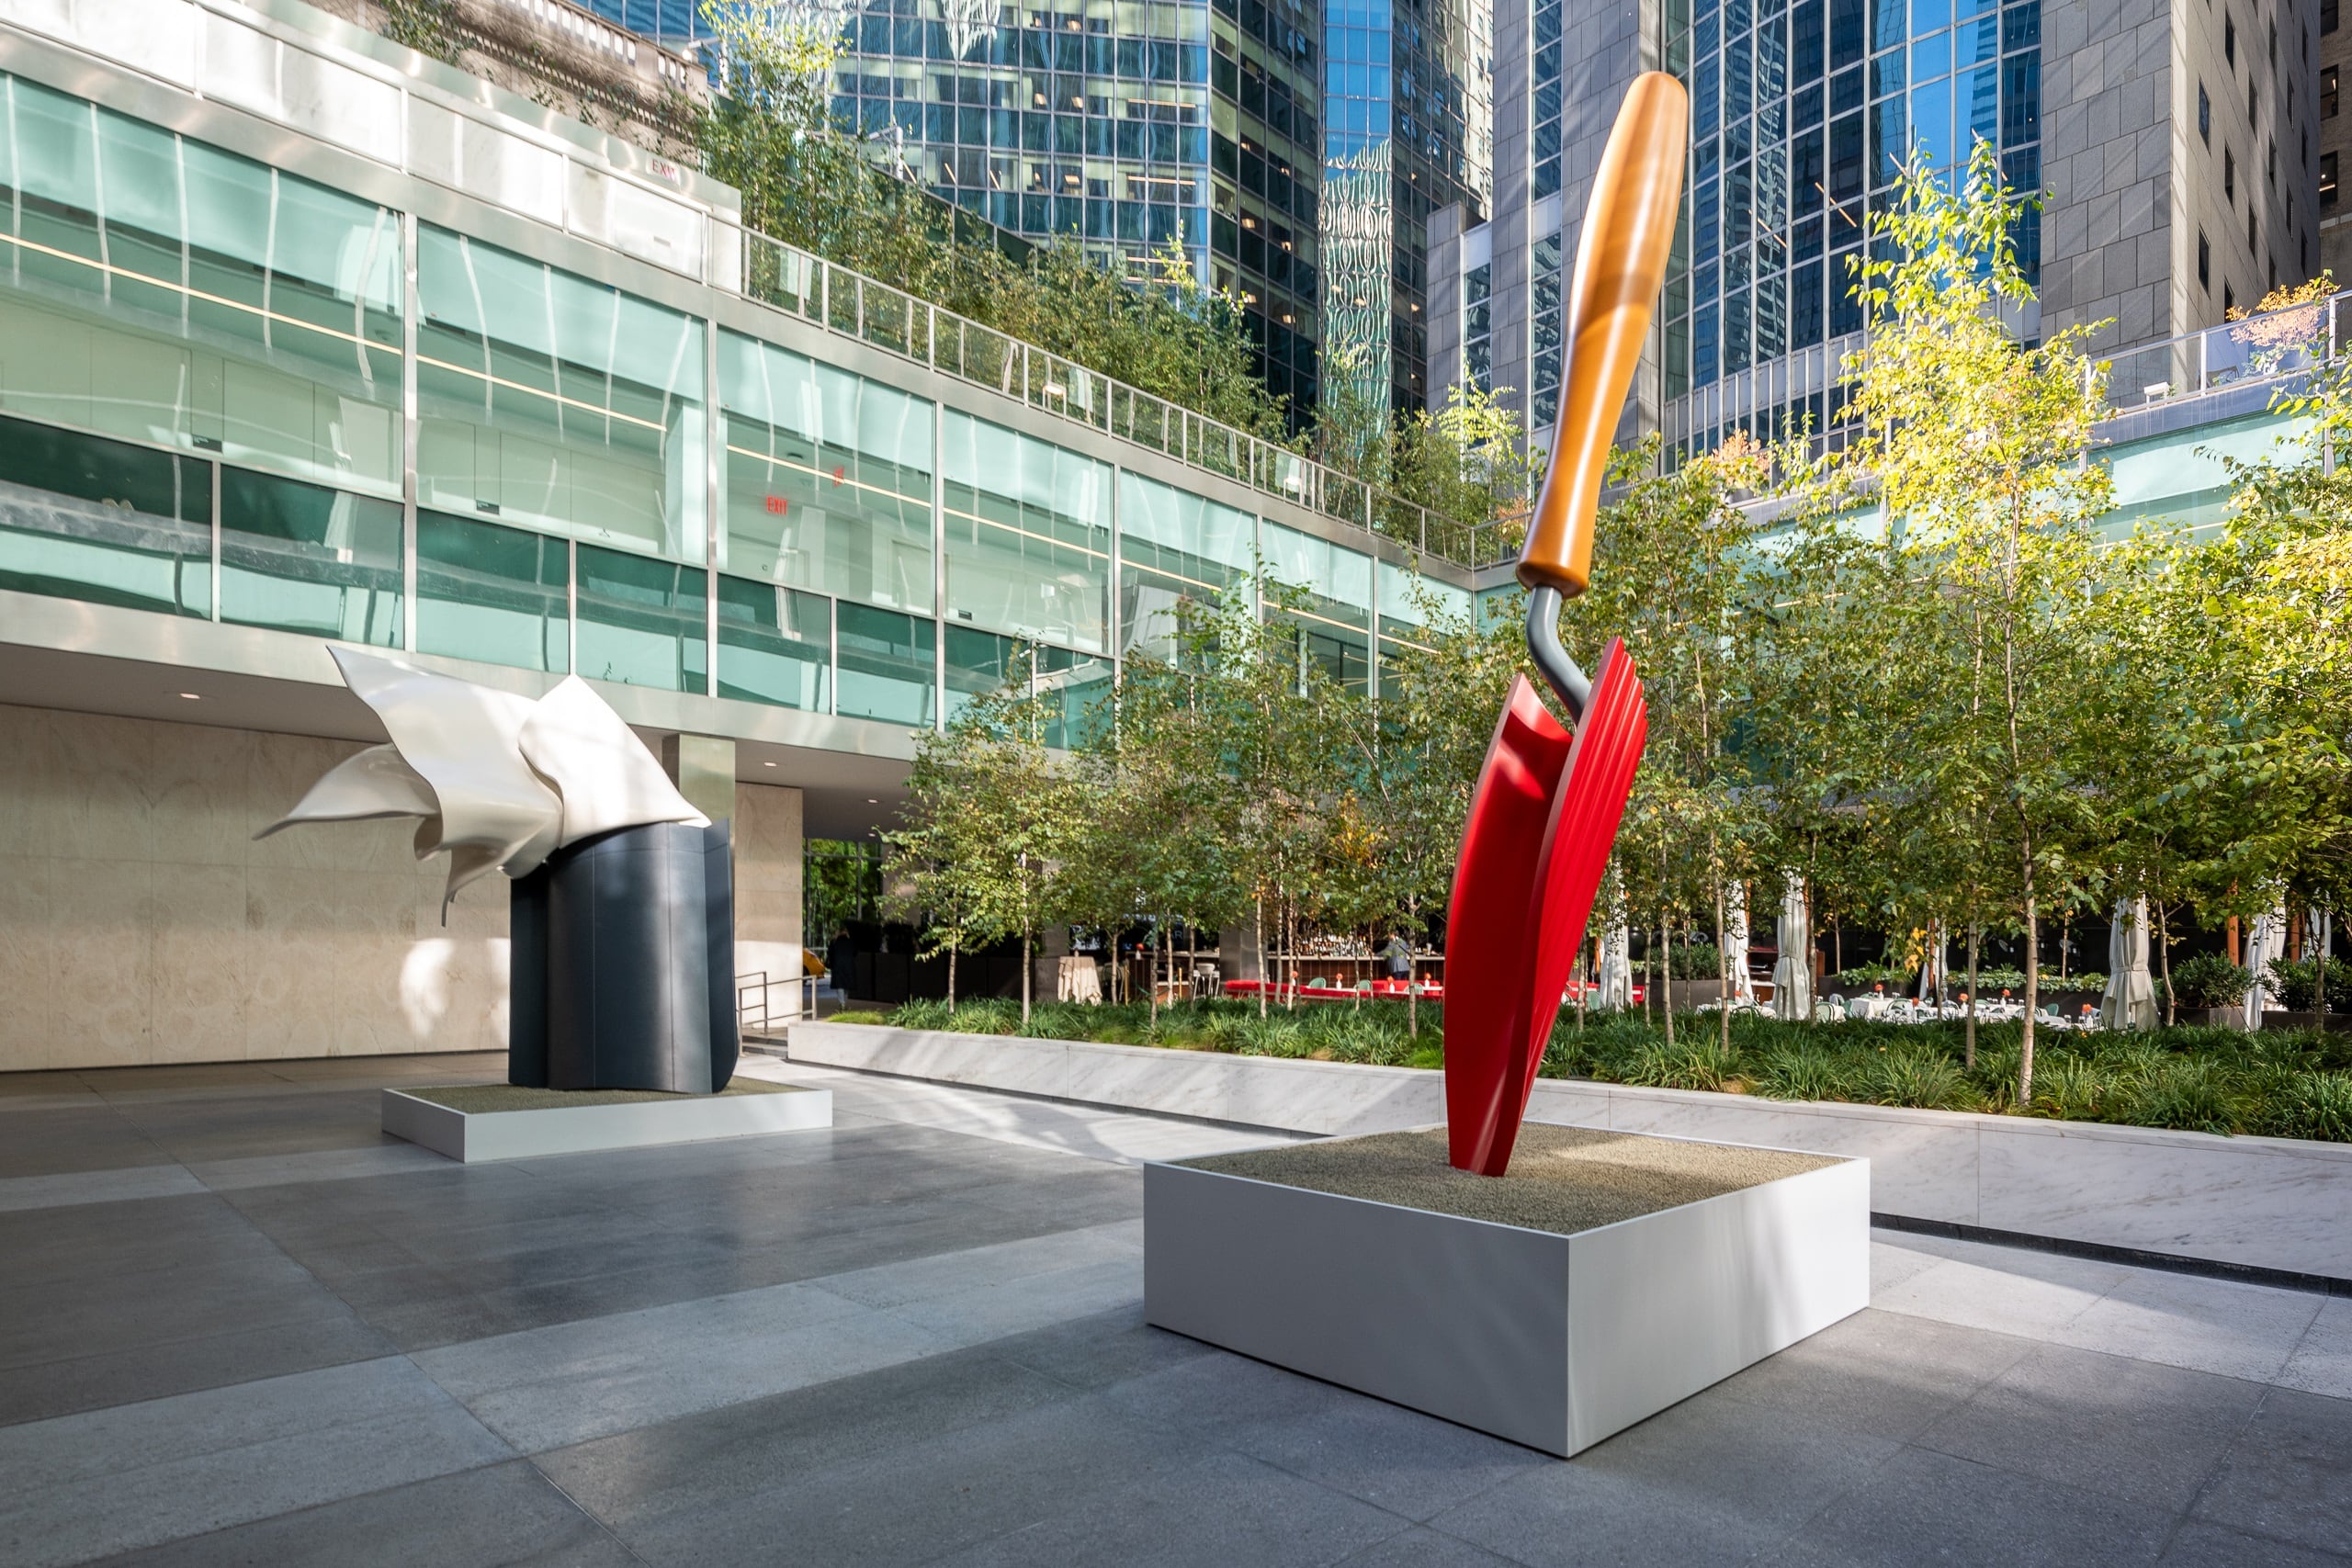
(238,1324)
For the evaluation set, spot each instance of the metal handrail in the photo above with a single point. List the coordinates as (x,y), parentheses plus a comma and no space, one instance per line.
(762,1017)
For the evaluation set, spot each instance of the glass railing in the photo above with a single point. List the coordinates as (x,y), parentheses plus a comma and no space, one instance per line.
(857,307)
(2260,348)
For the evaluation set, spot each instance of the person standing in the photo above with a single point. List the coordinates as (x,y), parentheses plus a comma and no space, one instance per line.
(1400,953)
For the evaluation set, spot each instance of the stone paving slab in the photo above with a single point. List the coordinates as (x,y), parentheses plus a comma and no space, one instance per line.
(918,1339)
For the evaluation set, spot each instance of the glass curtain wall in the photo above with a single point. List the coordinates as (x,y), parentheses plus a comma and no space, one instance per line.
(172,315)
(1409,604)
(194,344)
(1178,553)
(1028,532)
(828,478)
(1325,597)
(1802,115)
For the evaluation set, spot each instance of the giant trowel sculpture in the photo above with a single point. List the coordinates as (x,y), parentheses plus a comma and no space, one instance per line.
(622,905)
(1548,802)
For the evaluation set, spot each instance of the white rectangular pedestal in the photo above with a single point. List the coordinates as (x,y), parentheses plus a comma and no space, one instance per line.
(1554,1341)
(475,1136)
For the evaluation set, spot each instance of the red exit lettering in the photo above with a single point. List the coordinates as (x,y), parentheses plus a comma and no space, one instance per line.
(776,504)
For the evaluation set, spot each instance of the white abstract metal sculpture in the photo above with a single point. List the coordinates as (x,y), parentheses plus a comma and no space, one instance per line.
(621,912)
(501,781)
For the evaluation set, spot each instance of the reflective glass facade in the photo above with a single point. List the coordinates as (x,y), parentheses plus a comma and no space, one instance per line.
(1140,128)
(1408,102)
(1802,115)
(204,365)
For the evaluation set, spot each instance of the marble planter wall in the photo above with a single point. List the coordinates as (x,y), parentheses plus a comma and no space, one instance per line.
(2261,1202)
(140,923)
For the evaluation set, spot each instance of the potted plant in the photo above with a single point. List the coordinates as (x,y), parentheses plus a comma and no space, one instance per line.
(2209,990)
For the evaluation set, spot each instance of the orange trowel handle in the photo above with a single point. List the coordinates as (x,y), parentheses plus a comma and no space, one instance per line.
(1621,262)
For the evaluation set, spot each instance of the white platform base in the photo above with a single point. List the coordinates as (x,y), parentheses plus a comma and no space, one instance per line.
(1554,1341)
(580,1129)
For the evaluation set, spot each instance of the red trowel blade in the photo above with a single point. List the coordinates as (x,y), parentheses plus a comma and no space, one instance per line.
(1541,828)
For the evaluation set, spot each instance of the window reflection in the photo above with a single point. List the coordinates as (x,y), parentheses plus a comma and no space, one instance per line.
(1028,529)
(827,476)
(553,401)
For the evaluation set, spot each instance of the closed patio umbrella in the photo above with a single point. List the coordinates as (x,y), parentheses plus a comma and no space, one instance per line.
(2129,1001)
(1616,977)
(1735,944)
(2266,941)
(1793,972)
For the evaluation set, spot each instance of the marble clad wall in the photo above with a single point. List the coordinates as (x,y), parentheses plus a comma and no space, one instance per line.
(768,859)
(2263,1202)
(140,923)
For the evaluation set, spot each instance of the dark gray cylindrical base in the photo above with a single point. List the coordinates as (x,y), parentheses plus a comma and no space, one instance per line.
(623,962)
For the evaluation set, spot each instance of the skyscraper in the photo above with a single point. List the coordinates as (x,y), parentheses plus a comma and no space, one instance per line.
(1408,96)
(2174,146)
(1141,128)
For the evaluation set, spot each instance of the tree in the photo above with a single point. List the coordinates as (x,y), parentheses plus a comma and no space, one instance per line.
(1671,579)
(1977,444)
(989,818)
(1417,759)
(937,868)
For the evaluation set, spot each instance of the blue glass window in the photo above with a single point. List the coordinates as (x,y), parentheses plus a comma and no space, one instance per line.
(2020,99)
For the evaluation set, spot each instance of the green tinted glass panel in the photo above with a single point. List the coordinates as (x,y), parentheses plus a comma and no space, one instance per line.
(887,664)
(155,288)
(1408,598)
(558,402)
(981,662)
(82,517)
(1337,581)
(491,593)
(774,644)
(1174,549)
(302,558)
(828,477)
(1028,529)
(1075,692)
(1337,652)
(641,620)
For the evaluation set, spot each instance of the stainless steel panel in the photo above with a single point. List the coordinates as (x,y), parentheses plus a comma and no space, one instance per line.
(1554,1341)
(1460,1318)
(1662,1307)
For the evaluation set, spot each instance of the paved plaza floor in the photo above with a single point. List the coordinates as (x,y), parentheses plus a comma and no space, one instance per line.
(237,1324)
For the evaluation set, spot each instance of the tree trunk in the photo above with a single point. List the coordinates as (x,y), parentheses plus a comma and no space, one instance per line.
(2032,987)
(2319,967)
(1584,992)
(1258,930)
(1152,977)
(1025,967)
(1722,968)
(1975,945)
(2163,963)
(1290,955)
(951,979)
(1667,1007)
